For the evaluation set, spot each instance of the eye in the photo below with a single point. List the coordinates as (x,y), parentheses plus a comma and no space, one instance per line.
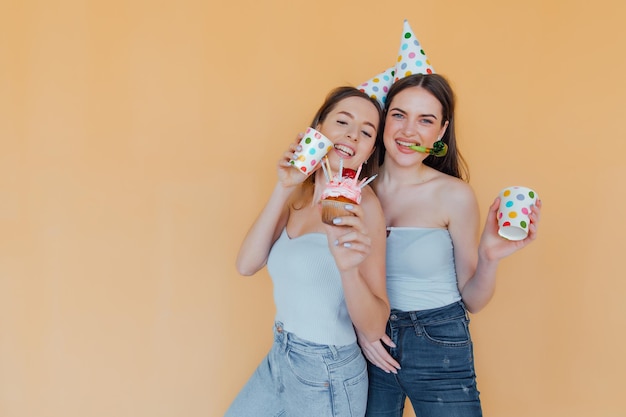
(427,121)
(398,116)
(366,133)
(342,122)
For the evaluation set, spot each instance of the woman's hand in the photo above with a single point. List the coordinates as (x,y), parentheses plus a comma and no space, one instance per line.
(493,246)
(348,239)
(288,175)
(376,353)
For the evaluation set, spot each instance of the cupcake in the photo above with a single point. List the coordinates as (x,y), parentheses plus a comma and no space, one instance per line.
(341,189)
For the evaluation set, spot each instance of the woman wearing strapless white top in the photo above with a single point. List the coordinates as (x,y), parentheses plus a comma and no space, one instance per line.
(437,270)
(327,280)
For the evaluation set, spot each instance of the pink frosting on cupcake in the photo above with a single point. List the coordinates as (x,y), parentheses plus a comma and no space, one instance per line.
(343,187)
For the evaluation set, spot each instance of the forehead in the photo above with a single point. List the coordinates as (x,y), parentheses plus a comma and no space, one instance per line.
(359,108)
(417,99)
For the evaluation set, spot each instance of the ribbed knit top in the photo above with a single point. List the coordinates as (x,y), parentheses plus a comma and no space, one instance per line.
(308,292)
(420,268)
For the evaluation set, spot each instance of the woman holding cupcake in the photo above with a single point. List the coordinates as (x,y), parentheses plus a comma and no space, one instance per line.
(327,279)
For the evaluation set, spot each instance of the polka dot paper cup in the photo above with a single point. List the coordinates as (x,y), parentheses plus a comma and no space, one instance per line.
(515,203)
(314,147)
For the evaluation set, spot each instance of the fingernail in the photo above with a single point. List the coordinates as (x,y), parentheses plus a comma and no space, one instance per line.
(349,207)
(337,220)
(347,245)
(336,242)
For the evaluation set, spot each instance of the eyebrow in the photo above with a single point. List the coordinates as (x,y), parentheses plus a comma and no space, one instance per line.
(352,117)
(421,115)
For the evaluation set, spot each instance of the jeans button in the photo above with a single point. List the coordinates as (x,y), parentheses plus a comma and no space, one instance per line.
(279,329)
(393,317)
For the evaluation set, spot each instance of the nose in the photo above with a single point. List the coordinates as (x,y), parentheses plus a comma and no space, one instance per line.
(408,129)
(353,135)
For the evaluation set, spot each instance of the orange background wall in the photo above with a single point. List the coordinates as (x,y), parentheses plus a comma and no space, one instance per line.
(138,141)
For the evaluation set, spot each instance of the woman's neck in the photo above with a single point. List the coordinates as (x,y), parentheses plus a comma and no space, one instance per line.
(397,175)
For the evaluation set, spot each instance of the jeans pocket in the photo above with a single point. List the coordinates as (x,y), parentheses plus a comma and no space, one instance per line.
(356,392)
(453,333)
(309,369)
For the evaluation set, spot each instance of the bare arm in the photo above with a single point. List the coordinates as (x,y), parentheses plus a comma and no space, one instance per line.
(372,344)
(476,271)
(359,251)
(267,227)
(265,230)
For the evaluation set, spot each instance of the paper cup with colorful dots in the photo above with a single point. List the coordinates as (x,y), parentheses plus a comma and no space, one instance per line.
(515,204)
(314,146)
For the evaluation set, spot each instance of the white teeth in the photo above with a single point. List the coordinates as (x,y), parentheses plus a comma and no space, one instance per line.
(345,150)
(403,143)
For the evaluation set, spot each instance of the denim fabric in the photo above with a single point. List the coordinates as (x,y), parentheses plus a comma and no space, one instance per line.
(434,349)
(301,379)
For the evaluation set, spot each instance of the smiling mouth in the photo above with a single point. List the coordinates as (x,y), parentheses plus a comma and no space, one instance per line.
(344,150)
(406,144)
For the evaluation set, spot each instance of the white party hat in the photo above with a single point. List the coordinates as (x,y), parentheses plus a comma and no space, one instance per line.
(411,60)
(411,57)
(378,86)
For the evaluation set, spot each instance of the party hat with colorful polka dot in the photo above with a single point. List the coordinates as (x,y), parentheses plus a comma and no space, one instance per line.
(411,57)
(411,60)
(377,87)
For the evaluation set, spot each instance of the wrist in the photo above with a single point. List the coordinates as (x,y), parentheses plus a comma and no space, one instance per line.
(487,261)
(285,189)
(350,273)
(487,254)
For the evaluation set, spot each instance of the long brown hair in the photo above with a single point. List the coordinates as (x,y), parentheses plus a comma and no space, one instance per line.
(453,163)
(330,102)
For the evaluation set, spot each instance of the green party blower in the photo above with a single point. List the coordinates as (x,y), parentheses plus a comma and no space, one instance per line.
(439,149)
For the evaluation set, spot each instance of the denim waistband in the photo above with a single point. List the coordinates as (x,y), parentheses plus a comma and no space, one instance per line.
(455,310)
(293,342)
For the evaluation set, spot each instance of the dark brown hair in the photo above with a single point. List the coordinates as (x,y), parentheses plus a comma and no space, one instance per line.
(330,102)
(453,163)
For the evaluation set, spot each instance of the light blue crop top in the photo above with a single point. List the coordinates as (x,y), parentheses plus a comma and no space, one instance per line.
(420,268)
(308,292)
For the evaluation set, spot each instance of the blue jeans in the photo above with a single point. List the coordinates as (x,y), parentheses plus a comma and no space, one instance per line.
(301,379)
(434,350)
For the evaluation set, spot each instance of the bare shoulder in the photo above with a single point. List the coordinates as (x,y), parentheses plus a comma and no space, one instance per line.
(454,198)
(459,200)
(460,187)
(441,181)
(371,204)
(369,198)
